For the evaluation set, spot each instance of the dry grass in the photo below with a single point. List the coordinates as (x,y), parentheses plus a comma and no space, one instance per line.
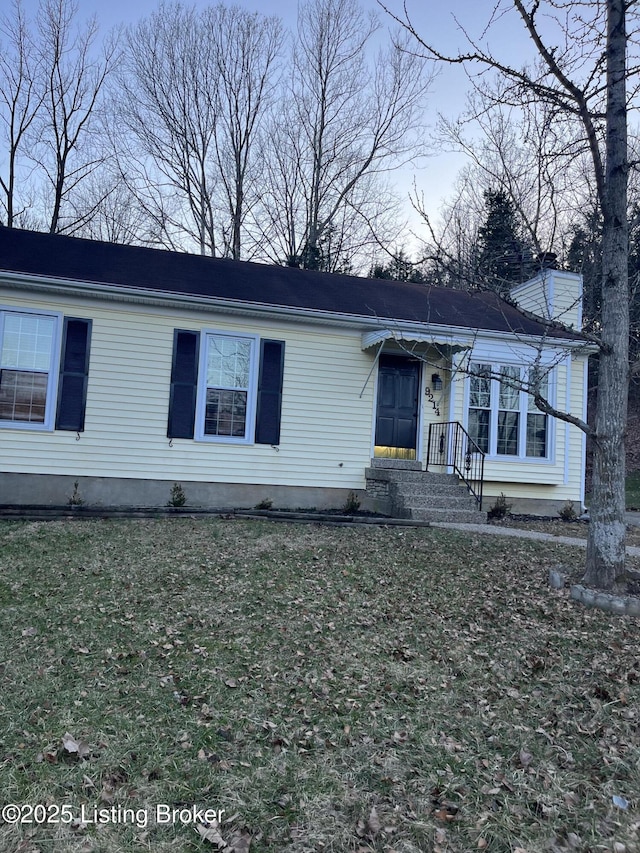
(558,527)
(330,689)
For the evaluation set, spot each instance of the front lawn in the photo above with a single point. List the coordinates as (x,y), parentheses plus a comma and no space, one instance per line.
(330,689)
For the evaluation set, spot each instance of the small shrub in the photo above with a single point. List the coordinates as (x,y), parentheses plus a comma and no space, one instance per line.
(75,499)
(352,504)
(568,512)
(265,503)
(178,496)
(500,509)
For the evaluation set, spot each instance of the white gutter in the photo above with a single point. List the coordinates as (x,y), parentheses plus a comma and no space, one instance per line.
(146,296)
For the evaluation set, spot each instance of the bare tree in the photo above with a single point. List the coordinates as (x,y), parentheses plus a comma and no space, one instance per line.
(480,241)
(586,82)
(192,96)
(526,151)
(347,122)
(65,143)
(166,102)
(20,100)
(247,49)
(108,210)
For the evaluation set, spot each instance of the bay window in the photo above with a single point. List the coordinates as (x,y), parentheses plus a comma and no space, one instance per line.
(502,418)
(537,430)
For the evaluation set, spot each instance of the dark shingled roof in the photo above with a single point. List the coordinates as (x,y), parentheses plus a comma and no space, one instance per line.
(194,275)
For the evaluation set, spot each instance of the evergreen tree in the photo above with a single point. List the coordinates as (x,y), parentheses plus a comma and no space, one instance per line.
(326,255)
(399,268)
(504,257)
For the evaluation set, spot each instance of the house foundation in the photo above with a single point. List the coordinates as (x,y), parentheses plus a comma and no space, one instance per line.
(59,490)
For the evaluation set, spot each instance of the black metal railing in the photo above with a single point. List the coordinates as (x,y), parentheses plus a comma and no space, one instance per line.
(452,446)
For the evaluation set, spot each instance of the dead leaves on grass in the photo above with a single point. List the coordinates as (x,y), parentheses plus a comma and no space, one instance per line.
(69,747)
(370,827)
(211,833)
(238,842)
(78,748)
(421,658)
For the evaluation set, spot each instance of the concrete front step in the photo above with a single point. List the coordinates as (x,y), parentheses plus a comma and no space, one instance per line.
(428,488)
(423,496)
(452,516)
(462,501)
(402,475)
(397,464)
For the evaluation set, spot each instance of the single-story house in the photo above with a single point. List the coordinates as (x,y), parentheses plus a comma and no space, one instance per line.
(126,369)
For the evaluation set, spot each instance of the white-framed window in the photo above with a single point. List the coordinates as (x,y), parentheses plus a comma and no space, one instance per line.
(508,411)
(479,425)
(537,438)
(227,387)
(502,418)
(29,353)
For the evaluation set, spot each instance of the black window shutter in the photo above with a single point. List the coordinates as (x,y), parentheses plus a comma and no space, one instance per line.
(74,374)
(269,392)
(184,384)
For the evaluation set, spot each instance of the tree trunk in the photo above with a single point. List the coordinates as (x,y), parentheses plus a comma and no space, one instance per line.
(12,186)
(606,550)
(238,211)
(57,200)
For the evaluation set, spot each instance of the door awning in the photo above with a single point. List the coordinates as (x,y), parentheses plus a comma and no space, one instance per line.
(447,345)
(379,337)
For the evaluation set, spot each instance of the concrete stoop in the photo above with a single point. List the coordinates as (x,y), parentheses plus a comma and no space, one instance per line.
(403,492)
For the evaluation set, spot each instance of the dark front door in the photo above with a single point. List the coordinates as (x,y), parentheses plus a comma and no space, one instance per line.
(397,413)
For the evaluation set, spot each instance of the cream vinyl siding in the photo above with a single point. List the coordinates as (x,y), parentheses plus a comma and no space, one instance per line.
(457,394)
(567,299)
(326,424)
(553,295)
(441,399)
(535,295)
(576,455)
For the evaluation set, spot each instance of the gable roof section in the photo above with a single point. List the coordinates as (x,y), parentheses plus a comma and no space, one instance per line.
(162,272)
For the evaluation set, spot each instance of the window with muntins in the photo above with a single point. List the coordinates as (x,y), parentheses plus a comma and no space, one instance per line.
(508,411)
(225,387)
(537,431)
(503,419)
(26,366)
(229,386)
(480,405)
